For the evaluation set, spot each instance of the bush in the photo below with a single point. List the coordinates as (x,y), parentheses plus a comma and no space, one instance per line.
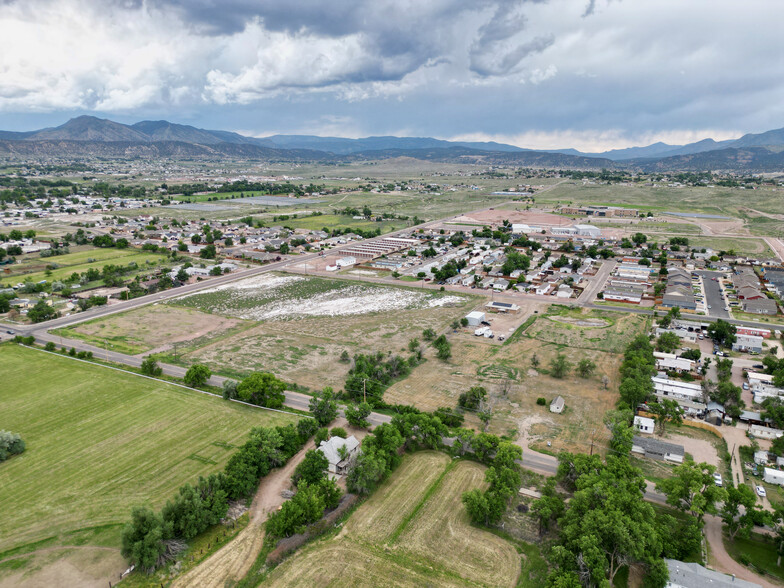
(338,432)
(50,346)
(541,401)
(262,389)
(10,444)
(321,435)
(307,428)
(197,375)
(150,367)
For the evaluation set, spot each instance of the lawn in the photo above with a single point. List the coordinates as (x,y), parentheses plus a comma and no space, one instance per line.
(413,532)
(759,551)
(99,442)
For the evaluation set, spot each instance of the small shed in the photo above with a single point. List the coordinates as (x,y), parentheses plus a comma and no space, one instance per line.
(475,318)
(557,405)
(772,476)
(760,457)
(644,424)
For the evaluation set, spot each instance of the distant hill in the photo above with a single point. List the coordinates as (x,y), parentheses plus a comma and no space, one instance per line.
(89,136)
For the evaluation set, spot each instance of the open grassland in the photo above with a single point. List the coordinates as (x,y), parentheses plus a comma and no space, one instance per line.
(153,327)
(413,532)
(63,271)
(513,383)
(333,221)
(34,268)
(740,245)
(99,442)
(731,202)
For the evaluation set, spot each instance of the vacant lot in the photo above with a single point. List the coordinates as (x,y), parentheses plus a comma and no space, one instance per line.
(334,221)
(435,546)
(304,325)
(514,383)
(153,327)
(99,442)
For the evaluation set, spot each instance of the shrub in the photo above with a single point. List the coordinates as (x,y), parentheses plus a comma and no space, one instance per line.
(150,367)
(10,444)
(339,432)
(541,401)
(321,435)
(50,346)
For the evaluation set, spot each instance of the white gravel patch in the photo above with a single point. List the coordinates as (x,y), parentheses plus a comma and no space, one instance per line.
(344,301)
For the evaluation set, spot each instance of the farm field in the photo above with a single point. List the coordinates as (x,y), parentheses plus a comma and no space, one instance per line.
(513,383)
(152,328)
(99,442)
(424,543)
(67,265)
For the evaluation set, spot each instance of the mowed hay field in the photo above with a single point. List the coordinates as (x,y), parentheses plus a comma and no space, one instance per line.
(413,532)
(514,384)
(99,442)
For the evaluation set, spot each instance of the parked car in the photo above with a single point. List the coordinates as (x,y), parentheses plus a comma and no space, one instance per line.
(758,366)
(761,491)
(717,479)
(745,386)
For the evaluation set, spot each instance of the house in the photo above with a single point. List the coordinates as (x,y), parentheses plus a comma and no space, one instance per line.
(475,318)
(675,364)
(763,432)
(772,476)
(693,575)
(557,405)
(644,424)
(752,343)
(332,450)
(760,457)
(659,450)
(564,291)
(760,306)
(503,307)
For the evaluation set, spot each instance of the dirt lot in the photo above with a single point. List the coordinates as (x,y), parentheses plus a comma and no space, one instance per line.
(437,547)
(153,327)
(514,383)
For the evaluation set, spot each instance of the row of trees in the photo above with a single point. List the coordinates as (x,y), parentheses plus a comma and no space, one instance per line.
(503,477)
(371,374)
(151,538)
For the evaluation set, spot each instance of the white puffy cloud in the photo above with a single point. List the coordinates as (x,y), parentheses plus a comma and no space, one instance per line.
(520,68)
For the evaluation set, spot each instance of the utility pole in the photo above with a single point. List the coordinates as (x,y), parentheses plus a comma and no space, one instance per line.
(106,349)
(364,392)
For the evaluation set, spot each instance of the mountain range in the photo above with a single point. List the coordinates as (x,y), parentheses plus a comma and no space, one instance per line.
(88,135)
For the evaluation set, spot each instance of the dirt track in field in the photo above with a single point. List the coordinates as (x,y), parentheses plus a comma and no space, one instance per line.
(233,560)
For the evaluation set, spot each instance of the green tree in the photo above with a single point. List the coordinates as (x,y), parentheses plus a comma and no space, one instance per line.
(312,468)
(357,415)
(197,375)
(549,507)
(664,412)
(150,367)
(472,399)
(324,406)
(692,489)
(42,312)
(262,389)
(586,367)
(428,334)
(723,333)
(368,469)
(208,252)
(739,521)
(668,342)
(142,539)
(182,275)
(560,366)
(619,423)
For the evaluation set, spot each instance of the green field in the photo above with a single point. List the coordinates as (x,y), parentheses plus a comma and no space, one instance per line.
(100,441)
(35,268)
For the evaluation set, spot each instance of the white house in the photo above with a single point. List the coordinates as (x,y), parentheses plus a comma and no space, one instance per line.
(693,575)
(644,424)
(346,261)
(772,476)
(762,432)
(557,405)
(760,457)
(332,450)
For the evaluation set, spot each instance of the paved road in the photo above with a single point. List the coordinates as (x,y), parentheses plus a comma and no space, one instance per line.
(714,297)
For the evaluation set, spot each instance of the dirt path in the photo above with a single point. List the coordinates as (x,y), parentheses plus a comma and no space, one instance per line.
(721,560)
(233,560)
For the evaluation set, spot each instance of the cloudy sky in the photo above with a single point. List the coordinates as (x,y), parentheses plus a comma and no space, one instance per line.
(589,74)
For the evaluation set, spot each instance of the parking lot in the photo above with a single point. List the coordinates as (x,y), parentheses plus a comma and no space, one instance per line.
(714,300)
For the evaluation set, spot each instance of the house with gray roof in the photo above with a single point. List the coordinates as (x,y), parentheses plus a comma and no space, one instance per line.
(657,449)
(339,452)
